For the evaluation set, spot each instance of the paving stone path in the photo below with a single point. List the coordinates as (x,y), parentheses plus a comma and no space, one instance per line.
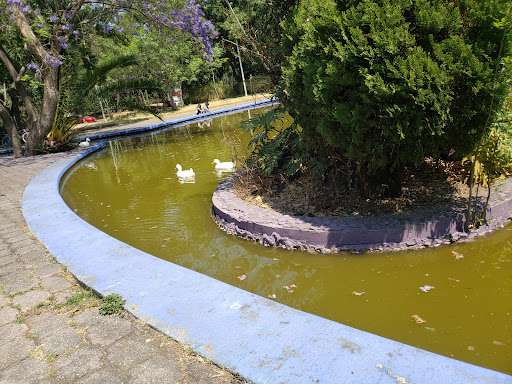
(50,327)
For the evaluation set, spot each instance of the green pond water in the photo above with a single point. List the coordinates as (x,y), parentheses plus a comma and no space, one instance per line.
(132,193)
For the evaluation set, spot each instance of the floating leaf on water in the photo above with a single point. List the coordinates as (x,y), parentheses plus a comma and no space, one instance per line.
(358,293)
(275,259)
(291,291)
(471,348)
(293,286)
(286,287)
(418,319)
(278,276)
(243,277)
(298,265)
(498,343)
(431,329)
(457,255)
(426,288)
(213,255)
(273,296)
(237,267)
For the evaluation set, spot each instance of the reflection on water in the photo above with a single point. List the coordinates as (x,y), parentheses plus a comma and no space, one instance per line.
(132,193)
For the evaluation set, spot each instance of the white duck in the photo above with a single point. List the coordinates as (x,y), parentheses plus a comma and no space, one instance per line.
(85,144)
(225,166)
(185,174)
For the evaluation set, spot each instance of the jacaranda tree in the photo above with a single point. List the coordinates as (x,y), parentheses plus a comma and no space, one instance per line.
(36,35)
(384,83)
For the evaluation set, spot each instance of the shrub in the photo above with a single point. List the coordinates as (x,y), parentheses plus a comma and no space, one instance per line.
(387,83)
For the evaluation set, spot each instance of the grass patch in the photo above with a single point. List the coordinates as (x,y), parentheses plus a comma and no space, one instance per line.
(51,357)
(80,300)
(112,304)
(11,295)
(20,319)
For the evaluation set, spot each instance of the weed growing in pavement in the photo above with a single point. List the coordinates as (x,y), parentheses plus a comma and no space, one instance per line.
(112,304)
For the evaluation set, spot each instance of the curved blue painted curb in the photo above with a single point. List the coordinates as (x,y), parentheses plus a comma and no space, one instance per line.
(264,341)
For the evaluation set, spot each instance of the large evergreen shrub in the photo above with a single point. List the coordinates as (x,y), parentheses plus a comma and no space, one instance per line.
(388,82)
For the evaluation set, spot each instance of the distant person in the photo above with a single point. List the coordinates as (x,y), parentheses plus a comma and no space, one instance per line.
(199,110)
(206,108)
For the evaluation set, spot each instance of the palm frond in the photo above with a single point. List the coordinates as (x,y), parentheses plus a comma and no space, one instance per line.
(100,72)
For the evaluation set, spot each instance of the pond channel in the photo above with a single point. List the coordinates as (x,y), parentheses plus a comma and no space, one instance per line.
(131,192)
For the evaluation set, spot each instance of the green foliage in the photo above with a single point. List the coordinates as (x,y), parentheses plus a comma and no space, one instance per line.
(112,304)
(495,153)
(220,89)
(387,83)
(277,144)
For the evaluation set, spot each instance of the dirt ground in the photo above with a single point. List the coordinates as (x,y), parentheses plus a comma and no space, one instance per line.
(435,183)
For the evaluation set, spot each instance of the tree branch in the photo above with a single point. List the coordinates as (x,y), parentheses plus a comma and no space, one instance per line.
(20,87)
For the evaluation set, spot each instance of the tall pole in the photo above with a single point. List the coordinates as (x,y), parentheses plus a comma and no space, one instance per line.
(237,48)
(241,68)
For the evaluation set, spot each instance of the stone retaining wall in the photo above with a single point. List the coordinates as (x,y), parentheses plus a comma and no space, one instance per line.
(417,228)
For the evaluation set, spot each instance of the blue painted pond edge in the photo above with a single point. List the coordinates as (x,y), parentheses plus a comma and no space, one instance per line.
(262,340)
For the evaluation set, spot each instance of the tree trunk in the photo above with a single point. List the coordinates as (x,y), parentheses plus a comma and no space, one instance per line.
(43,125)
(10,126)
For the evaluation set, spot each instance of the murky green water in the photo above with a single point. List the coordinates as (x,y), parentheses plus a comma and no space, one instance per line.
(132,193)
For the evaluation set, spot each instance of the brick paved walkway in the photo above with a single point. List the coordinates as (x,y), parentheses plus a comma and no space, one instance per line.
(50,327)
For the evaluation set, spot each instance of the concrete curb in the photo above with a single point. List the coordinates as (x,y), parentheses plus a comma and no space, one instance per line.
(264,341)
(408,230)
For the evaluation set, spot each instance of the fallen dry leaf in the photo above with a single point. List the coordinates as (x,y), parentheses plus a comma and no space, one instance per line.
(243,277)
(457,255)
(272,296)
(498,343)
(471,348)
(426,288)
(418,319)
(358,293)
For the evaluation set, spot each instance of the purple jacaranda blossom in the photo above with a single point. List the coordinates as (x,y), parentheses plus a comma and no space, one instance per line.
(39,25)
(107,28)
(63,45)
(68,15)
(76,33)
(119,29)
(53,61)
(67,27)
(54,18)
(33,66)
(37,12)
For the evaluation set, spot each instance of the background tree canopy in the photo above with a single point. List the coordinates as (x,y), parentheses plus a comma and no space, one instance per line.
(386,83)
